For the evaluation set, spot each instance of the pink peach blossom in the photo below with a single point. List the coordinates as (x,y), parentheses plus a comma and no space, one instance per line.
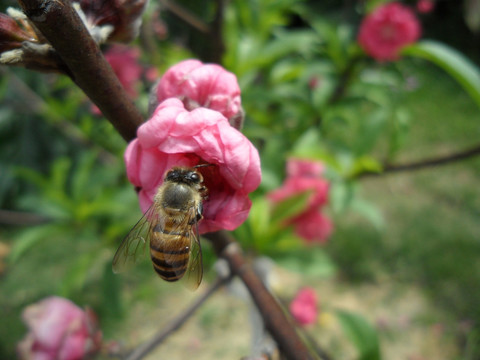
(312,226)
(305,176)
(304,307)
(59,330)
(202,85)
(124,61)
(292,186)
(425,6)
(388,29)
(175,136)
(304,168)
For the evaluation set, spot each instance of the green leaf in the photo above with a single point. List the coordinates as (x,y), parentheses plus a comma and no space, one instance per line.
(373,4)
(259,218)
(450,60)
(28,239)
(369,211)
(361,333)
(290,207)
(341,195)
(309,261)
(76,274)
(111,292)
(366,163)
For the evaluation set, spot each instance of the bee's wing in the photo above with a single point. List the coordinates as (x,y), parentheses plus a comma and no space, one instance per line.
(194,273)
(133,245)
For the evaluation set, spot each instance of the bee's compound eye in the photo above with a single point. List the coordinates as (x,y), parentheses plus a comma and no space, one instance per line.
(194,177)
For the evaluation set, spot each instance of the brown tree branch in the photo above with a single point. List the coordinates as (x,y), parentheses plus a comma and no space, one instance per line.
(275,320)
(10,217)
(141,351)
(423,164)
(63,28)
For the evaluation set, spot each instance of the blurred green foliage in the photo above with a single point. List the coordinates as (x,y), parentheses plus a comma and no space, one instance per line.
(308,91)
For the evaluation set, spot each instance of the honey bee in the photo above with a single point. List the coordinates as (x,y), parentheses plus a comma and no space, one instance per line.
(170,226)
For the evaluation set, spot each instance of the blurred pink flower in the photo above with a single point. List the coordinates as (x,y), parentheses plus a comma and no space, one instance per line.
(304,176)
(304,168)
(313,226)
(175,136)
(202,85)
(59,330)
(304,307)
(425,6)
(388,29)
(124,61)
(296,185)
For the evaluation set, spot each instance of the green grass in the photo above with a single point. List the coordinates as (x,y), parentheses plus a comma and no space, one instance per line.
(431,236)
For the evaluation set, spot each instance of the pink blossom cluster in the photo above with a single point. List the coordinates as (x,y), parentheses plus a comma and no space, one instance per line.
(125,63)
(304,308)
(181,134)
(59,330)
(202,85)
(387,30)
(306,176)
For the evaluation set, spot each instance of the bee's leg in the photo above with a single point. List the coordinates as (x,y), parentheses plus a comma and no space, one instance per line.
(203,192)
(198,215)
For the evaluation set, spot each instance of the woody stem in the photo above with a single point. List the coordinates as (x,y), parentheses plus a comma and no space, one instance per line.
(65,31)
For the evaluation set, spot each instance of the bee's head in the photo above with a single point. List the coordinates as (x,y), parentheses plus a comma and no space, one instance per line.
(184,175)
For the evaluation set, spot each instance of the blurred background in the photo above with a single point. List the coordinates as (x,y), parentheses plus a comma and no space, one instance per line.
(397,272)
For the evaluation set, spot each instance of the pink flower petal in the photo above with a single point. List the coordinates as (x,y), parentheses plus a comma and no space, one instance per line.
(304,307)
(389,28)
(175,136)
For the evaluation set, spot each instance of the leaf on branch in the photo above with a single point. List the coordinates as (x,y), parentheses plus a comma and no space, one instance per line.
(452,61)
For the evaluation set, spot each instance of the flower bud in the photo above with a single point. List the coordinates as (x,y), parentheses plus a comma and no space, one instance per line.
(203,85)
(123,16)
(11,34)
(304,307)
(60,330)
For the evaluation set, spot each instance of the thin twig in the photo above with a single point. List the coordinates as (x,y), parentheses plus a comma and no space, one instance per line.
(216,34)
(424,164)
(322,354)
(345,79)
(141,351)
(63,28)
(275,320)
(186,16)
(341,88)
(9,217)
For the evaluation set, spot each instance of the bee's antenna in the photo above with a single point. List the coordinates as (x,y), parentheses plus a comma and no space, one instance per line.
(202,165)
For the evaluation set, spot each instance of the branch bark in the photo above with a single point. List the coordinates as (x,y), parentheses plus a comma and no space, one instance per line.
(63,28)
(423,164)
(275,319)
(141,351)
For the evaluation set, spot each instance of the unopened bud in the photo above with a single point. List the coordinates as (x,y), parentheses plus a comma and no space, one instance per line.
(118,20)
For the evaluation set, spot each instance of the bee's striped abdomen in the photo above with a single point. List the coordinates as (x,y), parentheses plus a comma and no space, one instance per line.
(170,252)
